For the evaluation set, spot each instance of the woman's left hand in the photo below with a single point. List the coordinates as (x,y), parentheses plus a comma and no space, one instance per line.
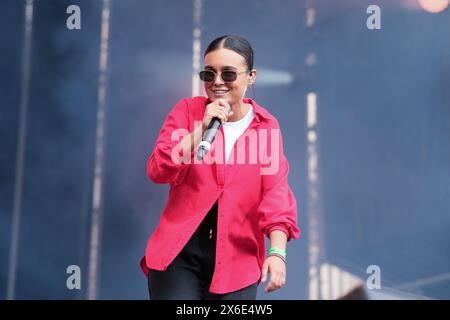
(277,269)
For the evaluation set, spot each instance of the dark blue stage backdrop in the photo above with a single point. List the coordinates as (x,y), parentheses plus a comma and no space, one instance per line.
(380,188)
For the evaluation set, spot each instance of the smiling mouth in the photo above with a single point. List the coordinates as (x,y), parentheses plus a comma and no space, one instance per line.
(220,92)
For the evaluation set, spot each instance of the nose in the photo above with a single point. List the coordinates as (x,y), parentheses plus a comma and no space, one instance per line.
(218,80)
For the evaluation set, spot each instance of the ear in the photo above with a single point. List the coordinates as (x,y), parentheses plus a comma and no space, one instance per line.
(251,77)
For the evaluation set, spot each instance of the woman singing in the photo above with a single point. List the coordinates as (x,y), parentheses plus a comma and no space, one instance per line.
(210,240)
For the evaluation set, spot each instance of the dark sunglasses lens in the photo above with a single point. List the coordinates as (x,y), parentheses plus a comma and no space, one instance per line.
(229,76)
(207,76)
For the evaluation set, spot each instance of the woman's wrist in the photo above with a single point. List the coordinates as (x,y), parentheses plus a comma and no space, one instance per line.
(191,140)
(277,251)
(278,256)
(204,128)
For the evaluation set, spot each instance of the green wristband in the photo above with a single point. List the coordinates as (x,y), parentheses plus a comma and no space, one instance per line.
(278,251)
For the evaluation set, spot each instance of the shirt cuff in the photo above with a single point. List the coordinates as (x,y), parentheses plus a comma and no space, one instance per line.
(279,227)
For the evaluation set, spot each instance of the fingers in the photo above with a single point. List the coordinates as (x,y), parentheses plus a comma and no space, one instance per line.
(219,111)
(224,103)
(223,115)
(264,272)
(277,281)
(277,272)
(219,114)
(225,109)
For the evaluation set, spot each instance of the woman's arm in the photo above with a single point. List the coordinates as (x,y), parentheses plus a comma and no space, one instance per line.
(191,140)
(275,265)
(278,239)
(278,209)
(278,206)
(164,165)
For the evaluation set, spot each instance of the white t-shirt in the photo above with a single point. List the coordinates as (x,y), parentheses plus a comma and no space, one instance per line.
(233,130)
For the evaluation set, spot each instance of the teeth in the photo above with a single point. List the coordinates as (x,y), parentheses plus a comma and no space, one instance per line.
(220,91)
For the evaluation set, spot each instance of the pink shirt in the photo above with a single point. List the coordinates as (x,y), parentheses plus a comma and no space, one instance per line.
(254,197)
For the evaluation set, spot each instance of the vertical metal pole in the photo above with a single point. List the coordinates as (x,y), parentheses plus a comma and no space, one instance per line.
(314,214)
(317,288)
(196,48)
(20,158)
(97,207)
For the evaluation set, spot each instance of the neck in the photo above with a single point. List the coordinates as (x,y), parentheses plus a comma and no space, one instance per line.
(240,110)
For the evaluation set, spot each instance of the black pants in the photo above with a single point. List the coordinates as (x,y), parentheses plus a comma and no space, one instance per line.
(189,275)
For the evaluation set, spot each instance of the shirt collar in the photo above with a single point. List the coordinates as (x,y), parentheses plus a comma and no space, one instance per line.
(259,112)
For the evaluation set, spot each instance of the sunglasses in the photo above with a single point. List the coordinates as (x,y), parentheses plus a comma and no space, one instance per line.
(227,76)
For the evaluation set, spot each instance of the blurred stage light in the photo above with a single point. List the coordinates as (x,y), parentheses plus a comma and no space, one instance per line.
(270,77)
(434,6)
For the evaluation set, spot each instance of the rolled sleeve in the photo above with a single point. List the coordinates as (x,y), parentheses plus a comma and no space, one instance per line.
(278,206)
(166,165)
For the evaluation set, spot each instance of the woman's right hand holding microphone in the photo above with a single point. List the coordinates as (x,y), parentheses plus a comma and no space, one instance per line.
(218,108)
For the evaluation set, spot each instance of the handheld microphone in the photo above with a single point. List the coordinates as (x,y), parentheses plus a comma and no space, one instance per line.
(209,136)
